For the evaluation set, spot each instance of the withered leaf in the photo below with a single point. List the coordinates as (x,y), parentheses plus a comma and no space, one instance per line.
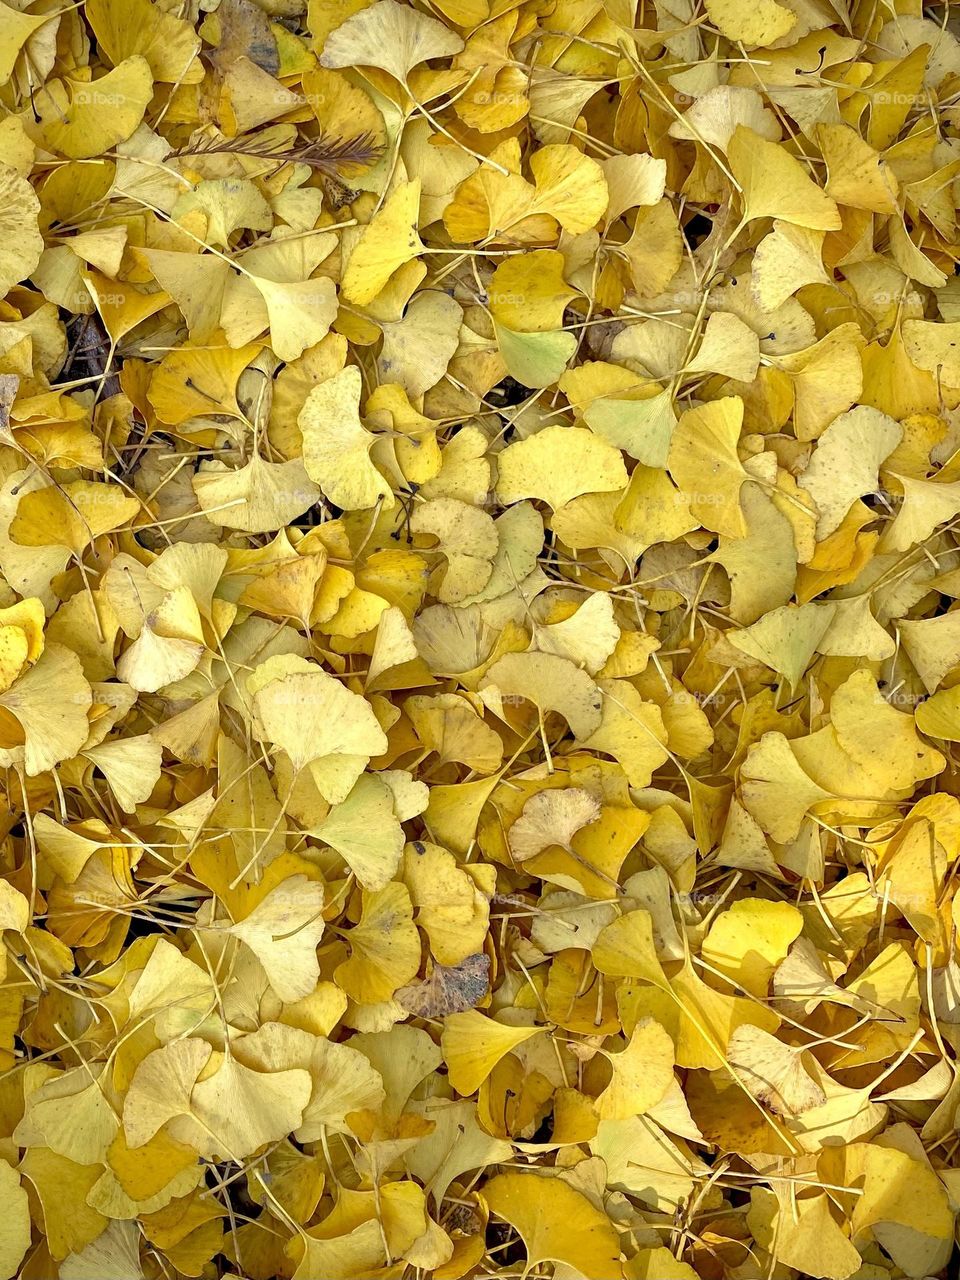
(448,988)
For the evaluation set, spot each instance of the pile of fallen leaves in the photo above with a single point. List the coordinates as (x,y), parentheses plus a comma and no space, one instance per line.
(479,639)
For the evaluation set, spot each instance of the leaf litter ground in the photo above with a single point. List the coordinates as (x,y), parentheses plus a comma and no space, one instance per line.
(479,644)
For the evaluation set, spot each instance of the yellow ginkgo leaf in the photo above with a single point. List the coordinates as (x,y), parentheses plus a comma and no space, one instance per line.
(336,445)
(551,818)
(568,188)
(528,293)
(18,27)
(558,464)
(626,949)
(313,717)
(228,206)
(388,241)
(755,24)
(131,767)
(44,713)
(193,381)
(550,683)
(642,1073)
(15,1233)
(451,907)
(808,1239)
(169,44)
(748,941)
(364,830)
(161,1087)
(856,174)
(786,260)
(473,1044)
(468,540)
(384,947)
(390,36)
(20,241)
(14,908)
(283,931)
(236,1111)
(81,118)
(556,1222)
(417,350)
(258,497)
(728,347)
(705,464)
(776,185)
(773,1072)
(787,638)
(906,1207)
(72,515)
(13,654)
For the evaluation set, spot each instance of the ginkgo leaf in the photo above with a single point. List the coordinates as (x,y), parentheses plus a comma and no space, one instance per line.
(473,1044)
(283,931)
(161,1087)
(46,712)
(74,514)
(343,1082)
(468,540)
(748,941)
(728,346)
(450,904)
(299,313)
(775,184)
(714,117)
(71,1115)
(528,293)
(131,767)
(80,118)
(846,463)
(236,1111)
(448,989)
(641,428)
(626,948)
(550,683)
(385,947)
(568,188)
(810,1239)
(21,241)
(773,1072)
(417,350)
(390,36)
(336,445)
(196,282)
(761,24)
(786,260)
(558,464)
(258,497)
(14,908)
(551,818)
(642,1073)
(389,240)
(310,715)
(167,42)
(786,639)
(558,1224)
(535,359)
(364,830)
(704,462)
(19,27)
(630,729)
(15,1235)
